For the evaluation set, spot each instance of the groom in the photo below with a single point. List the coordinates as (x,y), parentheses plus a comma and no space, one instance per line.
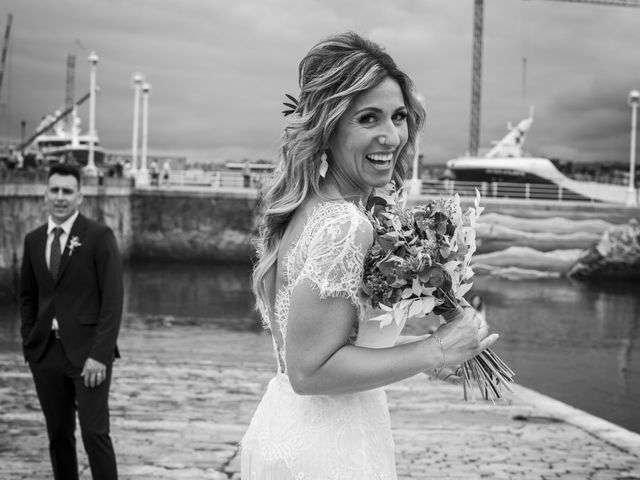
(71,298)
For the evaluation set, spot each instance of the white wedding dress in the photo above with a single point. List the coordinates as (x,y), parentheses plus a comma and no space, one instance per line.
(323,437)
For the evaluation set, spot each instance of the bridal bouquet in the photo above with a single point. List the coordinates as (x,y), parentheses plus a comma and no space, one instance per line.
(420,263)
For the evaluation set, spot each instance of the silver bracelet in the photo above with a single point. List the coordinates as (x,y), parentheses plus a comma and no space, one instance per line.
(444,356)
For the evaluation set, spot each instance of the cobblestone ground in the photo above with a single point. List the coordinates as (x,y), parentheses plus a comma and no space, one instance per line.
(183,395)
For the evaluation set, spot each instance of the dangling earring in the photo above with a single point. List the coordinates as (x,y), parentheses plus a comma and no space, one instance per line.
(324,165)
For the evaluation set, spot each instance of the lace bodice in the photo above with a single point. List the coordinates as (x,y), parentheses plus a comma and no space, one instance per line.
(323,437)
(329,254)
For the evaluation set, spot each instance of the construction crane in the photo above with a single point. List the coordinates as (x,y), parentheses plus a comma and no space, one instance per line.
(70,84)
(476,71)
(5,47)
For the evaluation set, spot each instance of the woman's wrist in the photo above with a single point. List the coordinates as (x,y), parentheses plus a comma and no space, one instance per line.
(444,354)
(434,354)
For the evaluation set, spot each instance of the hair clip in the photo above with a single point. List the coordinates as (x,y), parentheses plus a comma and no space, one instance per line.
(292,106)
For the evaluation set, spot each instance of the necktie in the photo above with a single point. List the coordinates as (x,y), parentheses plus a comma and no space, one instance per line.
(55,254)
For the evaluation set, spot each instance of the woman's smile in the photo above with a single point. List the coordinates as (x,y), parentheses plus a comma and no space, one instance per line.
(381,161)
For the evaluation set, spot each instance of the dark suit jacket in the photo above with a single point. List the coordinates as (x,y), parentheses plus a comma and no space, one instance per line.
(86,299)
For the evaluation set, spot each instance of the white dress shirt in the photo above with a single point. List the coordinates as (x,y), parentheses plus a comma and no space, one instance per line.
(64,236)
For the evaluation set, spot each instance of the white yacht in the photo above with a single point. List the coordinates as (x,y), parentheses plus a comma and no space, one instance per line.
(506,171)
(64,142)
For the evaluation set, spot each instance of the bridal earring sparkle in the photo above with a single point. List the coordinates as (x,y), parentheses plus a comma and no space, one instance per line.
(324,165)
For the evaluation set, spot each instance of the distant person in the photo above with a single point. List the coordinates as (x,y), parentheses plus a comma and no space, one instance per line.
(119,167)
(155,173)
(246,174)
(166,171)
(71,298)
(324,414)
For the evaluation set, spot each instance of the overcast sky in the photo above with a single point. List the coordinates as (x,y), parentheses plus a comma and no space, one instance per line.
(219,69)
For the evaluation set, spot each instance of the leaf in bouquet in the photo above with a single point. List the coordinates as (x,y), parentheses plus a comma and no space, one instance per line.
(381,199)
(455,279)
(437,277)
(416,288)
(388,241)
(451,266)
(445,251)
(441,227)
(417,308)
(428,304)
(425,274)
(418,214)
(406,293)
(464,288)
(401,250)
(384,319)
(428,291)
(389,266)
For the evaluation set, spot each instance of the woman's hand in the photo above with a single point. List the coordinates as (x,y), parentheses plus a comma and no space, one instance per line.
(464,336)
(447,374)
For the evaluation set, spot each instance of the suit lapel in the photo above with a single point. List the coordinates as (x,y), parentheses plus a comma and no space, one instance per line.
(76,232)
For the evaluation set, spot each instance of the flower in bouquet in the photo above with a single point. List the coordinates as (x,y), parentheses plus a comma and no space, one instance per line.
(420,260)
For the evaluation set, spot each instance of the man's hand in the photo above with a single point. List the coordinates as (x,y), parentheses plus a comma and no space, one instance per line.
(94,373)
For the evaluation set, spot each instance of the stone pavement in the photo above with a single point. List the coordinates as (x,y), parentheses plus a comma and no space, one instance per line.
(184,393)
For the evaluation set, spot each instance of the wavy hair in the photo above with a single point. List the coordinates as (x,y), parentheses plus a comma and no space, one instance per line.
(331,76)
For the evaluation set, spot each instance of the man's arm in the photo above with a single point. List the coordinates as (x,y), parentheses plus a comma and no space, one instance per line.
(28,293)
(109,272)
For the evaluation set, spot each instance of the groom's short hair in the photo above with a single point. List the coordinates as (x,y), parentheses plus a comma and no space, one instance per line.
(65,169)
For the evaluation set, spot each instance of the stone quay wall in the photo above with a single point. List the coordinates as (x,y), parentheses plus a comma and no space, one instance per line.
(194,224)
(149,223)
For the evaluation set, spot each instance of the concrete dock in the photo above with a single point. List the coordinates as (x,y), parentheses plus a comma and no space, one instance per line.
(184,392)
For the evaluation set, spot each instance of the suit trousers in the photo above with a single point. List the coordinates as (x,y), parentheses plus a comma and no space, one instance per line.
(61,392)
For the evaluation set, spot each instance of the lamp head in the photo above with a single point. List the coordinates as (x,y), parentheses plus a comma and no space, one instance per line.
(634,97)
(93,58)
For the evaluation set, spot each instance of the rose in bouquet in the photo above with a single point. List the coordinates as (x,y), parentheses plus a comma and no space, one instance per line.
(420,262)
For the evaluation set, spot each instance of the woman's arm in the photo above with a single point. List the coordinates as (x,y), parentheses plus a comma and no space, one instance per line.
(320,361)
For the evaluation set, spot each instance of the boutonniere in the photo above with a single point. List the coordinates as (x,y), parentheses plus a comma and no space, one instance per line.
(73,244)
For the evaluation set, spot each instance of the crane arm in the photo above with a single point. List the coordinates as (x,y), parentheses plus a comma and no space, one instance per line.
(614,3)
(5,47)
(66,112)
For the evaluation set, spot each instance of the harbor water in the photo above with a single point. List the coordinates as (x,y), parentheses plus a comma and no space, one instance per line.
(575,342)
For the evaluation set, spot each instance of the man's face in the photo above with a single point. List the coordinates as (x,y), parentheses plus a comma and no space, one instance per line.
(62,197)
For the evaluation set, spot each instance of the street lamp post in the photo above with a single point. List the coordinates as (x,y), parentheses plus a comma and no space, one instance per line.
(91,166)
(634,99)
(415,184)
(138,78)
(144,172)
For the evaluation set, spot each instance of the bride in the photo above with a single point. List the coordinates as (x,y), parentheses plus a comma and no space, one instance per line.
(324,414)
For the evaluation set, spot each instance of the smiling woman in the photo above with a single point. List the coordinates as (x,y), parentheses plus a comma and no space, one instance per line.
(368,140)
(324,415)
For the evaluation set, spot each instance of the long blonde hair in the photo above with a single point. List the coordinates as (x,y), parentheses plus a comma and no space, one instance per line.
(332,74)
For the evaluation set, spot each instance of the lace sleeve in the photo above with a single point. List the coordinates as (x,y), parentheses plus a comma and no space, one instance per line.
(335,255)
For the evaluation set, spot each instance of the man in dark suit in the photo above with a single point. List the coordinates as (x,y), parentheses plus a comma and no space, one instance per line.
(71,298)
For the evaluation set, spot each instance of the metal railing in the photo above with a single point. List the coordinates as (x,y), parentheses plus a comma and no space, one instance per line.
(209,179)
(525,191)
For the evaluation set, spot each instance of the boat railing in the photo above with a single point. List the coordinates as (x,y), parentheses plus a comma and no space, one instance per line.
(526,191)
